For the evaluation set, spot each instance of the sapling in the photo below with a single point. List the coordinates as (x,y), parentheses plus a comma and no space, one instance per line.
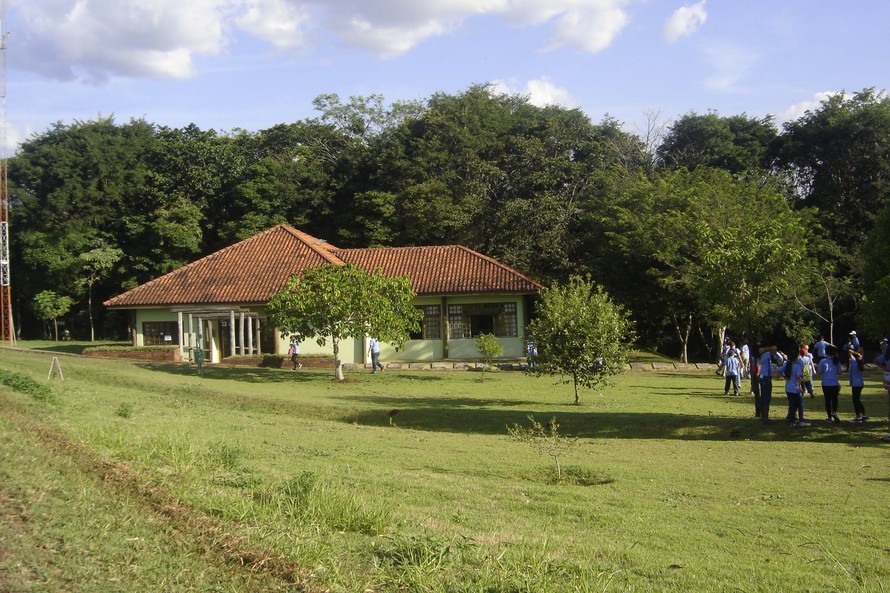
(544,439)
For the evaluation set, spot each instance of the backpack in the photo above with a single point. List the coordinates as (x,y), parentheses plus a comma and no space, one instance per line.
(805,374)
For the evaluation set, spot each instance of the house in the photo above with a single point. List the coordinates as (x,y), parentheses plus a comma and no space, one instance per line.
(218,302)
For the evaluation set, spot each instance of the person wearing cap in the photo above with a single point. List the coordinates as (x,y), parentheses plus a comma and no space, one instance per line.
(850,347)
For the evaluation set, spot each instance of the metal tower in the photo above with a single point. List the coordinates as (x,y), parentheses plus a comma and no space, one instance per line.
(7,332)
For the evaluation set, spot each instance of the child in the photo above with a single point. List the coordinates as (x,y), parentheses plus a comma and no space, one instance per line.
(857,382)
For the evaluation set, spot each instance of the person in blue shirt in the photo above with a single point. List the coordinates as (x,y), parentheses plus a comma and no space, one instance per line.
(374,351)
(769,357)
(819,349)
(733,371)
(857,382)
(792,369)
(808,371)
(829,368)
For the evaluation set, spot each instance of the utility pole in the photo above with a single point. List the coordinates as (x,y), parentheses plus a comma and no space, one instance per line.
(7,330)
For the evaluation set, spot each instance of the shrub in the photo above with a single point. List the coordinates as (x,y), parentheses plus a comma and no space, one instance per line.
(27,385)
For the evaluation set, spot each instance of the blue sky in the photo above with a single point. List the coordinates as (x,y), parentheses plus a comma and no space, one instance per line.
(251,64)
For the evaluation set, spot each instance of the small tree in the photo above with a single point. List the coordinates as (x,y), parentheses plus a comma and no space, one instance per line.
(581,333)
(95,265)
(544,440)
(49,305)
(489,348)
(336,302)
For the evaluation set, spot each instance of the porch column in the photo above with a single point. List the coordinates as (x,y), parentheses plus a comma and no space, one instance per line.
(259,341)
(191,337)
(232,332)
(181,336)
(242,333)
(210,343)
(250,335)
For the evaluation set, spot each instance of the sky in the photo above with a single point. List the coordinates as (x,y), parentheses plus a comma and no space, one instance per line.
(252,64)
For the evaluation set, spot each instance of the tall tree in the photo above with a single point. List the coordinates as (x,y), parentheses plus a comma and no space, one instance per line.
(839,157)
(738,144)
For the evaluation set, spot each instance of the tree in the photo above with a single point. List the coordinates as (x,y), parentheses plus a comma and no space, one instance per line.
(738,144)
(839,157)
(49,305)
(580,332)
(338,302)
(96,263)
(489,348)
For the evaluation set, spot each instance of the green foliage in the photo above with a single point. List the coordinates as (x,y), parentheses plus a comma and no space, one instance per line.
(50,306)
(545,440)
(489,348)
(124,410)
(581,333)
(27,385)
(838,155)
(334,302)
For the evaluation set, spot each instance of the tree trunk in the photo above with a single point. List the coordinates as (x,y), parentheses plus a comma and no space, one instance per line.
(683,336)
(338,364)
(90,313)
(721,335)
(575,381)
(56,329)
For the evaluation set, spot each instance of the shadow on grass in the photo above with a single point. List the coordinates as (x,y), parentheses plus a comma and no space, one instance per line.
(492,416)
(465,415)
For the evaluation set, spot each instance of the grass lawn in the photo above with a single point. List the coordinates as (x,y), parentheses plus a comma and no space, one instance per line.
(131,476)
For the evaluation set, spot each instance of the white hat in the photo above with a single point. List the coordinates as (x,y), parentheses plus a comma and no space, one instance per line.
(853,333)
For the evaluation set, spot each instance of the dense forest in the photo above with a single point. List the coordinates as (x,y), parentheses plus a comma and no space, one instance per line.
(700,225)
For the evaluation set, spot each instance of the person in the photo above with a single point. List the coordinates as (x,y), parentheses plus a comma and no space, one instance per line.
(883,360)
(769,357)
(294,353)
(850,347)
(884,344)
(745,353)
(733,367)
(807,372)
(754,374)
(829,369)
(531,355)
(198,353)
(792,369)
(857,382)
(374,351)
(819,349)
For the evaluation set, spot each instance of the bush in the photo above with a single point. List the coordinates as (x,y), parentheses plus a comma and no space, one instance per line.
(27,385)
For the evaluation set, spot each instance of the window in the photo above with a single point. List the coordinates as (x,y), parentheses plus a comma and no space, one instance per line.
(430,326)
(468,321)
(160,333)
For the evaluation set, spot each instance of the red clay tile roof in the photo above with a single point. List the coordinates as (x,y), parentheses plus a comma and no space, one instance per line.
(251,271)
(442,270)
(247,272)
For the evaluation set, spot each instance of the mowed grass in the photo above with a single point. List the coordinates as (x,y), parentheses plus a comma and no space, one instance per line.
(137,476)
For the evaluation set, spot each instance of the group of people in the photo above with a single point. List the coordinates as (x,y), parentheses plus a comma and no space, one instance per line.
(798,370)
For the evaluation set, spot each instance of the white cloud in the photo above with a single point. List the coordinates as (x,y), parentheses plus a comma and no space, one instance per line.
(68,39)
(590,31)
(800,109)
(98,39)
(276,21)
(685,21)
(540,92)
